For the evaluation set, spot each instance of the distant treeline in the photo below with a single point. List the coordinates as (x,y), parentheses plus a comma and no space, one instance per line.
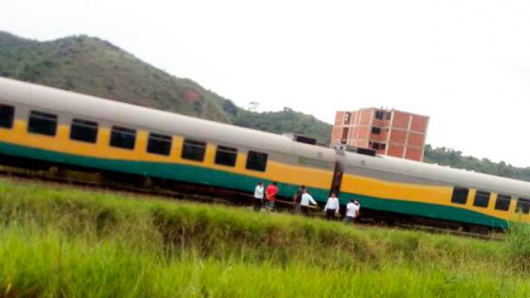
(455,159)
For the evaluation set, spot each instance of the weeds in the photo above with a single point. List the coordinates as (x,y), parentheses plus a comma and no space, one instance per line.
(81,244)
(518,246)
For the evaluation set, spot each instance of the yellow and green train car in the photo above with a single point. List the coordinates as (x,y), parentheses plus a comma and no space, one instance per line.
(41,124)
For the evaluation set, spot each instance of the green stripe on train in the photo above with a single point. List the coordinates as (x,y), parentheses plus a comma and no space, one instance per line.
(197,174)
(187,173)
(427,210)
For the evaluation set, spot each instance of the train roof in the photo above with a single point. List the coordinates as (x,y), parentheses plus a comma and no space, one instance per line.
(441,174)
(116,112)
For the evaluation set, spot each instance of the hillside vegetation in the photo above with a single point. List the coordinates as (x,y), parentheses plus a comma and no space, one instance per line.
(456,159)
(93,66)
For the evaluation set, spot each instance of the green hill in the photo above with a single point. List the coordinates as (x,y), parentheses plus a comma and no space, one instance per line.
(96,67)
(93,66)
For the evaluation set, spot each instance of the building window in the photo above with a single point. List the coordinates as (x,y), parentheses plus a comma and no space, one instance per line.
(482,199)
(226,156)
(84,131)
(376,145)
(523,206)
(388,115)
(193,150)
(347,118)
(460,195)
(376,130)
(383,146)
(503,202)
(42,123)
(7,116)
(256,161)
(344,138)
(159,144)
(379,114)
(122,137)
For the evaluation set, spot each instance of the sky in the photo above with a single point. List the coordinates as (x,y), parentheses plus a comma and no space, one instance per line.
(465,64)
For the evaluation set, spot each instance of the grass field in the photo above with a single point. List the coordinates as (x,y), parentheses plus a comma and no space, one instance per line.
(61,242)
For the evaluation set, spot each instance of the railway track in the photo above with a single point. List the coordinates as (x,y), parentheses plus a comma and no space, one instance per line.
(189,193)
(49,177)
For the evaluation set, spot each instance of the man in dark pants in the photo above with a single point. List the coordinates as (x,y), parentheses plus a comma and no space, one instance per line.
(306,201)
(332,206)
(270,193)
(352,211)
(297,200)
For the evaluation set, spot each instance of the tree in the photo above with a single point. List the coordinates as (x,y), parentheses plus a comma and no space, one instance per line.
(253,106)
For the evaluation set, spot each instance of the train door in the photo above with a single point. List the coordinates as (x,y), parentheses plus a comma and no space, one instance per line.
(337,178)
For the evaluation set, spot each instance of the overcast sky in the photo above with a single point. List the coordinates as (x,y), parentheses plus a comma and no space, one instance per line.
(466,64)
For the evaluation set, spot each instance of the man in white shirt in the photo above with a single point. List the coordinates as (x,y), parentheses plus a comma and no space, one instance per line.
(258,196)
(306,201)
(352,211)
(332,206)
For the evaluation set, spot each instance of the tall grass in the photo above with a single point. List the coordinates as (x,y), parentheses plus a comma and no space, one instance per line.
(518,245)
(71,243)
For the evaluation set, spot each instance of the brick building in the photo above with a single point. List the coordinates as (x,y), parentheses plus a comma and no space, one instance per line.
(390,132)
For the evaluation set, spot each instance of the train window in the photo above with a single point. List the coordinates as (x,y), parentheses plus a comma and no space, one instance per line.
(193,150)
(256,161)
(7,115)
(84,131)
(226,156)
(523,206)
(42,123)
(503,202)
(122,137)
(159,144)
(460,195)
(482,199)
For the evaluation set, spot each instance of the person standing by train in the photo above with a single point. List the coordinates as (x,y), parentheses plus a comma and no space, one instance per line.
(271,192)
(297,199)
(306,201)
(332,206)
(258,196)
(352,211)
(358,211)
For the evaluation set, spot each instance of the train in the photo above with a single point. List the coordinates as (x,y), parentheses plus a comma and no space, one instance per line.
(67,129)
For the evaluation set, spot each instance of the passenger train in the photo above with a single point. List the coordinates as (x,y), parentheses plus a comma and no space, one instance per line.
(42,124)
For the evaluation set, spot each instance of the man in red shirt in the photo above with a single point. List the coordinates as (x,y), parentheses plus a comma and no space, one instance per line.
(271,192)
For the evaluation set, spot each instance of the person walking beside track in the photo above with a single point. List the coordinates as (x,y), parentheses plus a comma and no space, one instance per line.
(332,206)
(306,202)
(258,196)
(271,192)
(352,211)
